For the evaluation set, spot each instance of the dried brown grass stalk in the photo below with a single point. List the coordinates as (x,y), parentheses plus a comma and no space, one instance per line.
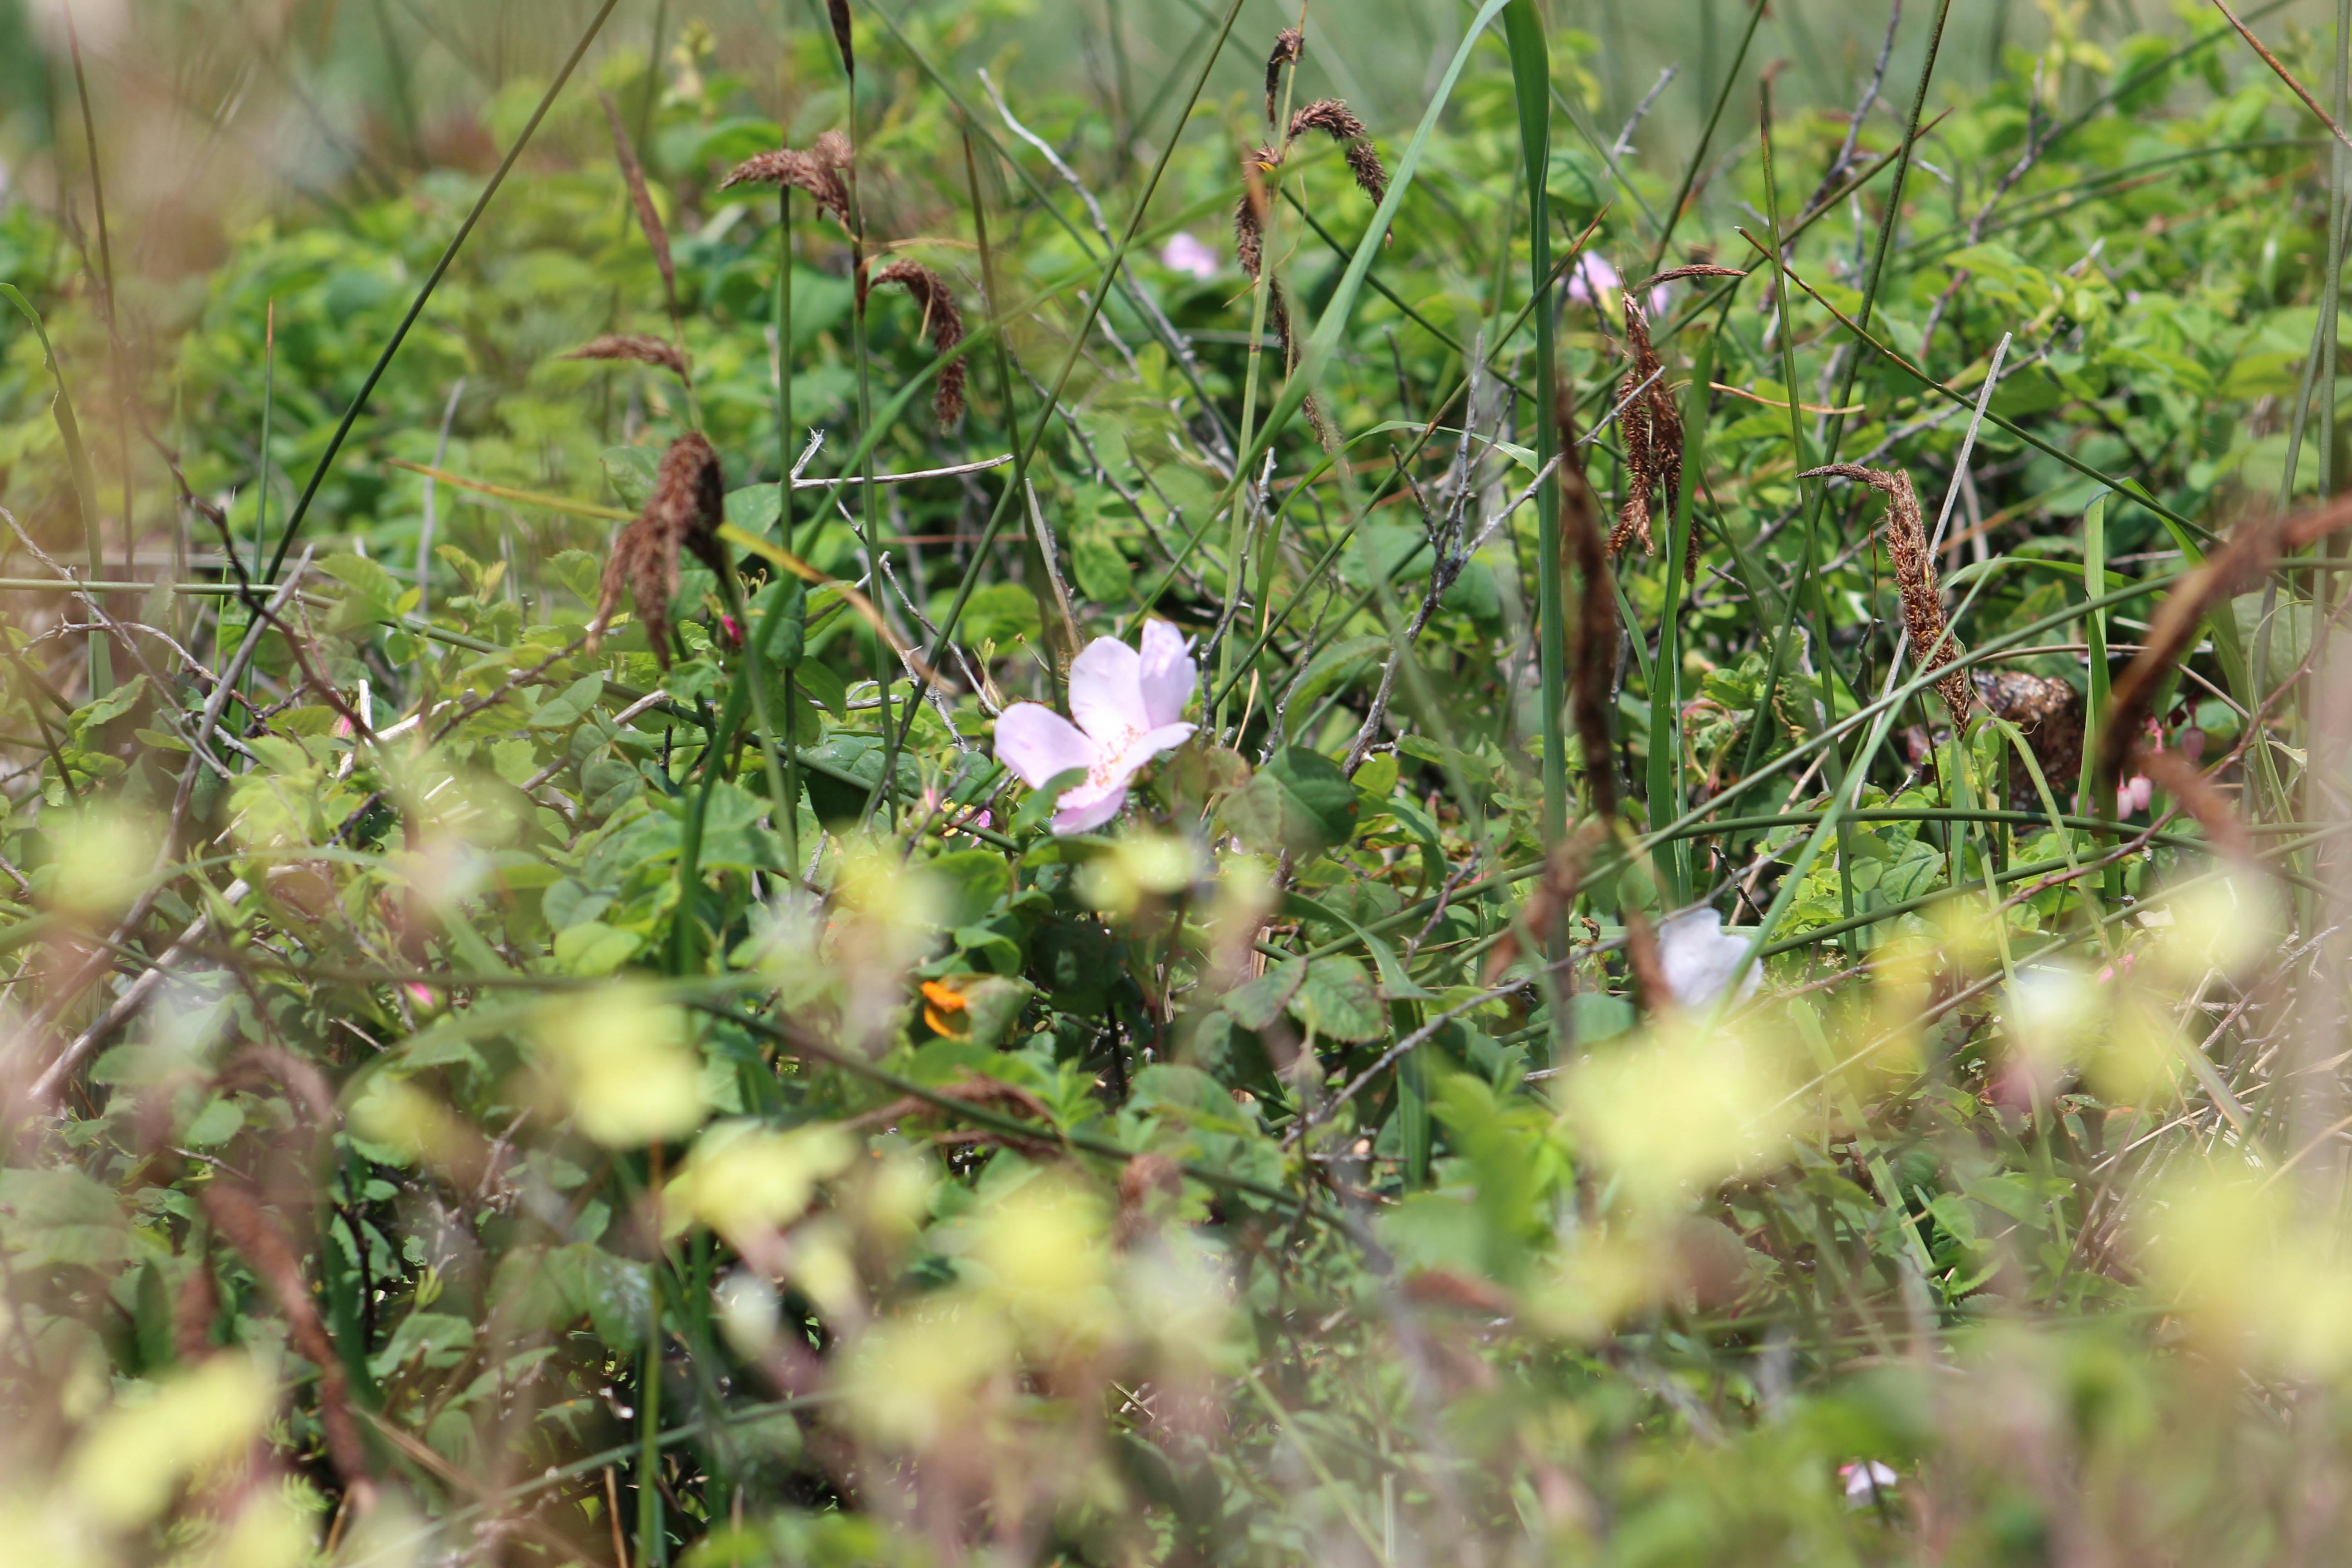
(2174,774)
(1342,124)
(2246,554)
(1647,966)
(642,199)
(1554,896)
(838,12)
(1914,577)
(817,171)
(688,503)
(1249,250)
(1653,430)
(1593,637)
(635,347)
(237,1215)
(943,321)
(1288,45)
(1676,274)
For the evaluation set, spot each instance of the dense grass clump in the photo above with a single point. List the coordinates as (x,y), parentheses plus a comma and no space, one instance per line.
(771,801)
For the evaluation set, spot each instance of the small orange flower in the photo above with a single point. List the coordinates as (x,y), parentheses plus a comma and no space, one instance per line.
(945,1010)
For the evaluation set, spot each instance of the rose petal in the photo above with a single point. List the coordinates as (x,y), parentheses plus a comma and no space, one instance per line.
(1088,805)
(1106,697)
(1698,956)
(1148,745)
(1038,743)
(1592,275)
(1165,674)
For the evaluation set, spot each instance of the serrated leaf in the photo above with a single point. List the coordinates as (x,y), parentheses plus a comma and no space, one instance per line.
(1258,1003)
(972,881)
(630,471)
(593,948)
(1337,1000)
(1300,801)
(571,705)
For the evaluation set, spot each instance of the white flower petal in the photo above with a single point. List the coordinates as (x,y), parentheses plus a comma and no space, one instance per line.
(1148,745)
(1166,673)
(1698,956)
(1106,693)
(1090,805)
(1038,743)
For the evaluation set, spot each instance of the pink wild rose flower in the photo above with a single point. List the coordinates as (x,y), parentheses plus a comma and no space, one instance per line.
(1128,705)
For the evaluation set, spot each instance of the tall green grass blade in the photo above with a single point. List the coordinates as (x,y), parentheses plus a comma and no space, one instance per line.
(1531,82)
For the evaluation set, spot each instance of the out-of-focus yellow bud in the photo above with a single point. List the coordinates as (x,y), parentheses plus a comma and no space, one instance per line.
(1675,1111)
(268,1531)
(2258,1282)
(136,1455)
(878,882)
(2224,922)
(400,1116)
(1143,865)
(2140,1058)
(100,855)
(1044,1251)
(821,1266)
(1180,1295)
(2052,1013)
(622,1066)
(749,1314)
(920,1378)
(743,1179)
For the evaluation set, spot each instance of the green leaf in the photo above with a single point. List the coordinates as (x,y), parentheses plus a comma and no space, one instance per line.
(970,882)
(753,508)
(433,1339)
(630,471)
(1300,801)
(215,1124)
(571,705)
(1337,1000)
(593,948)
(364,576)
(822,682)
(580,572)
(1103,573)
(1341,659)
(1259,1002)
(110,707)
(1040,804)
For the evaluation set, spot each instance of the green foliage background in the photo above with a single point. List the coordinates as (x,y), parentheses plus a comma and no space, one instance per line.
(472,1097)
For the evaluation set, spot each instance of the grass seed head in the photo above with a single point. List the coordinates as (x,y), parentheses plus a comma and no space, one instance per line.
(688,503)
(1653,430)
(837,11)
(1915,578)
(648,219)
(943,321)
(812,171)
(1249,213)
(1344,125)
(1288,45)
(1592,640)
(635,347)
